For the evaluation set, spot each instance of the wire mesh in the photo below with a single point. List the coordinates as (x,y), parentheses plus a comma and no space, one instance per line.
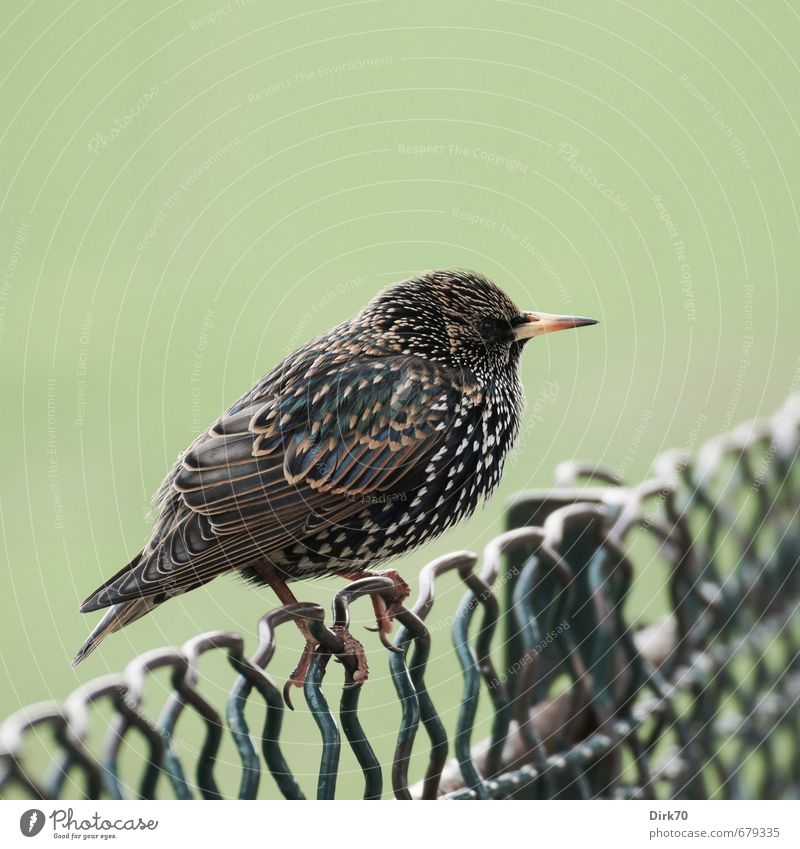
(585,703)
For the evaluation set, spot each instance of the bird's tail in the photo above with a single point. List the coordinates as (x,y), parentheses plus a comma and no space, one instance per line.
(117,617)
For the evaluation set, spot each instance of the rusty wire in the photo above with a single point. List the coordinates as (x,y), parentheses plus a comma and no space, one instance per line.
(585,704)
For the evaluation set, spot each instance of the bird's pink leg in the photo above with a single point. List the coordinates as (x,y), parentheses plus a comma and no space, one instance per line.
(298,677)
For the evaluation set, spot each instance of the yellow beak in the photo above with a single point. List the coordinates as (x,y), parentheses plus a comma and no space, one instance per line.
(538,323)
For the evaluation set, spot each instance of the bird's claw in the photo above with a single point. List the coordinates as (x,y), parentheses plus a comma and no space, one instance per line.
(287,693)
(375,629)
(384,638)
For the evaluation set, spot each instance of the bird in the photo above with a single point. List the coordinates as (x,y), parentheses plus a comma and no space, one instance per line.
(365,443)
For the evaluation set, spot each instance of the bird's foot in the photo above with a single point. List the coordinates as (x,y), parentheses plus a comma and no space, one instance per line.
(353,656)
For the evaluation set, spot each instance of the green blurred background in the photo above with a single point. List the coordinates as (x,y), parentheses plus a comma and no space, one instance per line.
(190,190)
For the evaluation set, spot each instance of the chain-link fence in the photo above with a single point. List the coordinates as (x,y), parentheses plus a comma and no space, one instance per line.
(703,703)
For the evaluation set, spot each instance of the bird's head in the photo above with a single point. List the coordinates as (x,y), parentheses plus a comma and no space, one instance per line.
(459,318)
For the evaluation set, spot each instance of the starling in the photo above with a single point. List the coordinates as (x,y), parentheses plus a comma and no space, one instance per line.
(365,443)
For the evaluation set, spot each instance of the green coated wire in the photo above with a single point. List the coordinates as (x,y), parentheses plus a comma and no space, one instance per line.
(363,751)
(331,739)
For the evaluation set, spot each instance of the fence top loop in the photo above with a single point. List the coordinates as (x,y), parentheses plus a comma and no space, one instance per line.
(13,729)
(202,643)
(140,668)
(279,616)
(462,562)
(77,704)
(340,608)
(570,472)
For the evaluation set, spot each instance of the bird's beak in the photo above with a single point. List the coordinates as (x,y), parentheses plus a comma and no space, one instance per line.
(537,323)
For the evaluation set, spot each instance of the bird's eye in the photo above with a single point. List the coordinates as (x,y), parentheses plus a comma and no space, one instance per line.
(492,328)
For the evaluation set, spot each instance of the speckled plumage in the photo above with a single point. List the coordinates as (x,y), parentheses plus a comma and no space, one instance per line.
(368,441)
